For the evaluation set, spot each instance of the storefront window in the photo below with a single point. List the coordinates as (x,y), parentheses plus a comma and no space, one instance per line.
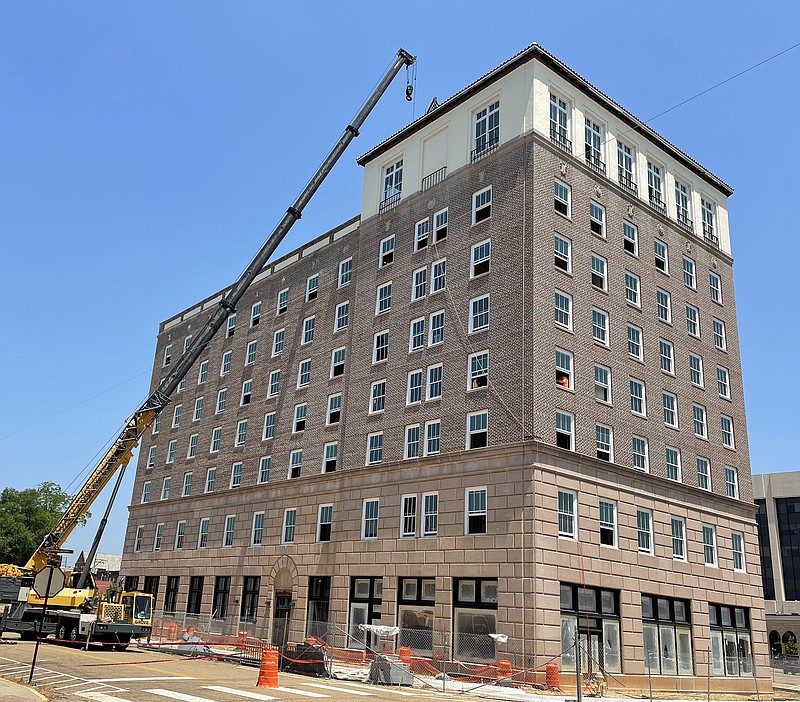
(594,614)
(731,649)
(415,600)
(474,618)
(366,597)
(667,634)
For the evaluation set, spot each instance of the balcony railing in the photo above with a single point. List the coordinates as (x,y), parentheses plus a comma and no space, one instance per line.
(483,150)
(594,162)
(388,203)
(436,177)
(560,140)
(684,221)
(627,182)
(657,203)
(709,236)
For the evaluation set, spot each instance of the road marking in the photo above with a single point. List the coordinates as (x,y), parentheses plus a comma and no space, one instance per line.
(240,693)
(360,693)
(304,693)
(383,688)
(100,697)
(163,677)
(178,695)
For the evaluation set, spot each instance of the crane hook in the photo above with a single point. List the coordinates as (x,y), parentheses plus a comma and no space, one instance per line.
(409,92)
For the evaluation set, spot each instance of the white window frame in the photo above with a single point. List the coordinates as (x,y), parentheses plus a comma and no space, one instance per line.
(377,346)
(301,383)
(412,337)
(328,508)
(602,384)
(480,257)
(289,526)
(570,433)
(562,198)
(737,552)
(645,530)
(663,258)
(257,530)
(211,480)
(197,415)
(247,393)
(438,275)
(241,432)
(723,382)
(630,238)
(274,383)
(431,384)
(600,326)
(330,453)
(158,539)
(678,477)
(422,234)
(728,443)
(383,299)
(295,464)
(602,277)
(202,532)
(374,447)
(377,396)
(278,342)
(567,513)
(264,468)
(562,312)
(480,512)
(666,354)
(255,314)
(609,444)
(229,531)
(597,219)
(564,370)
(331,409)
(696,374)
(282,302)
(732,482)
(640,343)
(693,321)
(720,335)
(613,525)
(345,275)
(672,410)
(230,325)
(710,557)
(678,537)
(435,329)
(703,473)
(667,318)
(300,418)
(645,456)
(635,399)
(342,317)
(222,400)
(335,364)
(715,290)
(415,384)
(408,516)
(700,419)
(481,200)
(478,370)
(236,475)
(408,441)
(368,535)
(419,283)
(386,251)
(473,327)
(308,330)
(474,432)
(633,289)
(562,251)
(312,287)
(433,438)
(202,374)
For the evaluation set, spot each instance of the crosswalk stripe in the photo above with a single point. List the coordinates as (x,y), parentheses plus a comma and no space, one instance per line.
(153,679)
(360,693)
(178,695)
(383,688)
(100,697)
(240,693)
(304,693)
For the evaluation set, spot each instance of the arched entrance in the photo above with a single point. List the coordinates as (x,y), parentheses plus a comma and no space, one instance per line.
(283,601)
(789,641)
(775,648)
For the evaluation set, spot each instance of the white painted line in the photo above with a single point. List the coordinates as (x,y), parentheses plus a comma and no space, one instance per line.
(304,693)
(39,678)
(163,677)
(360,693)
(240,693)
(178,696)
(100,697)
(383,688)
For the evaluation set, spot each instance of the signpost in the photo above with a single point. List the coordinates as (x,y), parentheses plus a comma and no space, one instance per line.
(49,581)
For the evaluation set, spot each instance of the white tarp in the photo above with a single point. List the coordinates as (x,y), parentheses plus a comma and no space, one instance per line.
(380,630)
(500,638)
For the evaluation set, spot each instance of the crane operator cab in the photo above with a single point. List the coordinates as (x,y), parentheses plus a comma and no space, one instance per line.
(139,607)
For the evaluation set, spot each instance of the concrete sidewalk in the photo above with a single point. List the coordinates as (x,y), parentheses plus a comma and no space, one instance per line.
(15,692)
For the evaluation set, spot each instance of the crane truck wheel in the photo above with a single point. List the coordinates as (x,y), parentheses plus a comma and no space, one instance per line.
(61,632)
(73,634)
(121,647)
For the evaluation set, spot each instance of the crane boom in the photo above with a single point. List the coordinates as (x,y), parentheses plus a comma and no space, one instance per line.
(119,455)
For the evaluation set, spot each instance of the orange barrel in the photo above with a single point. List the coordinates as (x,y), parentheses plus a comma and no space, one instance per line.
(504,671)
(173,630)
(268,673)
(551,677)
(405,654)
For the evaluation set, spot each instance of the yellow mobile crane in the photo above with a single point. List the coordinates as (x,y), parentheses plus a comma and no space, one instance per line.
(78,611)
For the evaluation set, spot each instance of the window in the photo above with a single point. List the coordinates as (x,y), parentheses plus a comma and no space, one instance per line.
(300,417)
(689,279)
(187,484)
(482,205)
(638,402)
(731,482)
(198,410)
(562,253)
(703,474)
(345,272)
(709,229)
(644,530)
(171,448)
(247,392)
(386,251)
(608,523)
(723,383)
(342,316)
(274,385)
(481,258)
(283,302)
(564,369)
(380,346)
(580,606)
(625,161)
(176,415)
(408,516)
(436,328)
(476,511)
(211,479)
(699,415)
(599,272)
(478,430)
(308,330)
(655,186)
(255,314)
(337,362)
(202,376)
(289,524)
(726,424)
(597,219)
(440,226)
(434,391)
(487,130)
(414,387)
(632,287)
(562,198)
(137,542)
(660,250)
(159,537)
(157,424)
(331,457)
(667,356)
(222,400)
(334,408)
(304,373)
(731,649)
(600,326)
(479,314)
(715,287)
(202,536)
(151,456)
(602,384)
(604,442)
(635,342)
(438,275)
(241,432)
(277,342)
(478,373)
(264,465)
(257,534)
(167,355)
(709,545)
(641,460)
(430,514)
(230,328)
(593,145)
(563,309)
(564,435)
(678,528)
(383,298)
(222,589)
(236,475)
(324,523)
(182,385)
(230,524)
(559,122)
(416,334)
(421,234)
(737,550)
(682,205)
(433,437)
(369,520)
(375,448)
(667,634)
(420,287)
(146,492)
(295,464)
(567,514)
(693,320)
(312,287)
(377,396)
(411,449)
(719,335)
(630,238)
(670,404)
(673,464)
(663,305)
(696,369)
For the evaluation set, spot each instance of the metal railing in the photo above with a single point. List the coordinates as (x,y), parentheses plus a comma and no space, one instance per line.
(709,236)
(657,203)
(627,183)
(560,140)
(434,178)
(389,202)
(483,150)
(595,163)
(684,221)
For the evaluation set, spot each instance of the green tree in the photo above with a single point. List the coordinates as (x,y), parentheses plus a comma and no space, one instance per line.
(26,517)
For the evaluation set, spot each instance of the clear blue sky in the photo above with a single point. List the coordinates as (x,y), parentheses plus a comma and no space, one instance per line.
(148,148)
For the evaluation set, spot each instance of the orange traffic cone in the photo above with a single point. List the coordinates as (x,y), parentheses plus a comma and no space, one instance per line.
(504,672)
(268,673)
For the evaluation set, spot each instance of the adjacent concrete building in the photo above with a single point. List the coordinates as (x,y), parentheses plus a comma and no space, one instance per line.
(505,398)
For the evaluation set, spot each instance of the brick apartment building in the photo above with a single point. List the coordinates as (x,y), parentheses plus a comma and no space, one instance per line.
(505,398)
